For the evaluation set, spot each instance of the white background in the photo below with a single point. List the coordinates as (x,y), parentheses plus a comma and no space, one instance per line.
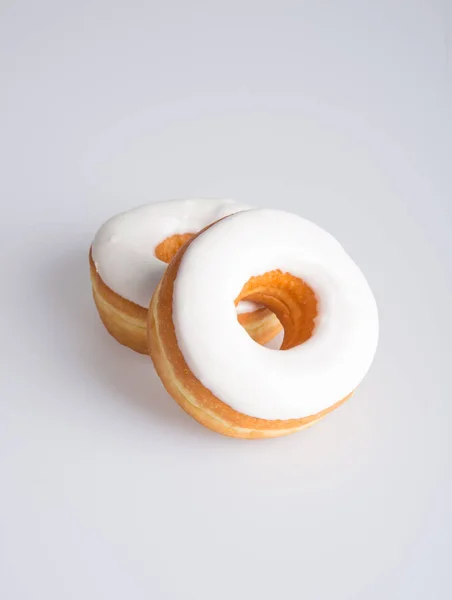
(338,110)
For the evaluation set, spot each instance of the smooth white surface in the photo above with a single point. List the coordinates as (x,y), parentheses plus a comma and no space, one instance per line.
(124,247)
(339,111)
(255,380)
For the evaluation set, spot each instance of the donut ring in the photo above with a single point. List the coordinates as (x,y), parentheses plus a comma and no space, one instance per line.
(320,296)
(129,255)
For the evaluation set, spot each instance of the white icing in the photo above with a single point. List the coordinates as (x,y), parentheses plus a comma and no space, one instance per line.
(123,249)
(253,379)
(245,306)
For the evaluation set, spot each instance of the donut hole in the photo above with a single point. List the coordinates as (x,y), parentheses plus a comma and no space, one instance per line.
(166,250)
(290,298)
(262,325)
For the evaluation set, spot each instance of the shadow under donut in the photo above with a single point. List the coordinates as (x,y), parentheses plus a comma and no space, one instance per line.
(129,376)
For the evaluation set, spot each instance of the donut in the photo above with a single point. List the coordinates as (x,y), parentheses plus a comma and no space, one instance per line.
(215,371)
(129,255)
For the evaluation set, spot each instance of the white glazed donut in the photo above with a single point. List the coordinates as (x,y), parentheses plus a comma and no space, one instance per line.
(129,255)
(300,272)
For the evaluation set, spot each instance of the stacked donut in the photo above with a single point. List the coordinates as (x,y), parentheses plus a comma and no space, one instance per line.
(203,285)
